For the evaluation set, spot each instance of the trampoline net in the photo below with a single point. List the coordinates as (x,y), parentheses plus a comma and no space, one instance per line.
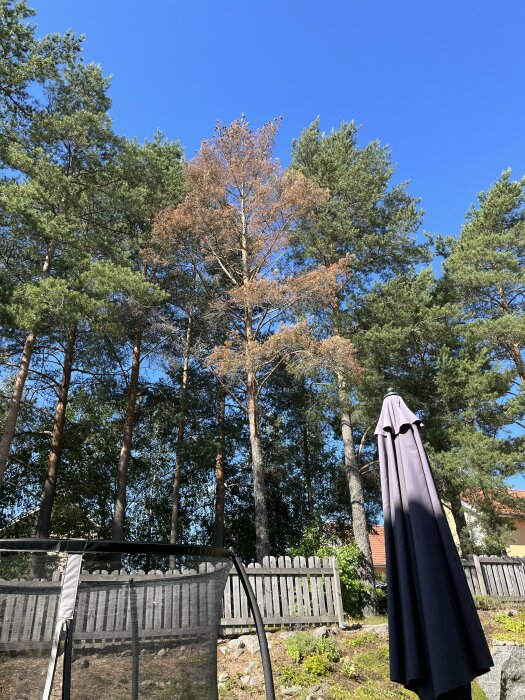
(136,633)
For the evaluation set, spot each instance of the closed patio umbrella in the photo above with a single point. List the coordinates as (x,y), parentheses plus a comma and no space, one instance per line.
(437,644)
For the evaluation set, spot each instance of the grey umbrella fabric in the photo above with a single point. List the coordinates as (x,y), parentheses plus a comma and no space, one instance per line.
(437,645)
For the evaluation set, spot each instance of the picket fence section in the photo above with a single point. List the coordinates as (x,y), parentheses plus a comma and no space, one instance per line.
(501,577)
(170,605)
(296,591)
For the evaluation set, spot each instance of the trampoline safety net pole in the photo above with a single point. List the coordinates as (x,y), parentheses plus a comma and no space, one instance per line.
(259,626)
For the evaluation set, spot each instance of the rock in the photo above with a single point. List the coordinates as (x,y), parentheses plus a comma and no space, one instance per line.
(513,675)
(256,680)
(235,644)
(320,632)
(506,679)
(162,652)
(224,650)
(143,652)
(378,629)
(251,642)
(512,613)
(147,684)
(222,677)
(250,668)
(238,653)
(126,652)
(244,681)
(84,663)
(290,690)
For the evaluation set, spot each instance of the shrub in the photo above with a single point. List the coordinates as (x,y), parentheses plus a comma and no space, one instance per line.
(348,669)
(299,645)
(352,590)
(294,676)
(317,665)
(316,543)
(327,646)
(486,602)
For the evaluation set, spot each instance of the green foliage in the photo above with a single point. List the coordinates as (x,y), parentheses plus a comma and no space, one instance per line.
(294,676)
(327,646)
(299,645)
(514,627)
(337,692)
(363,639)
(370,691)
(317,543)
(486,602)
(478,693)
(317,665)
(373,664)
(348,669)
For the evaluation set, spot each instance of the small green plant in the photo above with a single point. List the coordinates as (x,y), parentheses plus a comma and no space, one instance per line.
(327,646)
(317,665)
(348,669)
(371,691)
(373,664)
(514,627)
(363,639)
(294,676)
(337,692)
(486,602)
(477,692)
(299,645)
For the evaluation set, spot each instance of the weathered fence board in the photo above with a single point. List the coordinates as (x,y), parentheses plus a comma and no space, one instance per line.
(501,577)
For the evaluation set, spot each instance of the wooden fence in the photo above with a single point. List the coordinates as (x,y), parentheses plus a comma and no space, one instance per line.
(289,591)
(296,591)
(170,605)
(502,577)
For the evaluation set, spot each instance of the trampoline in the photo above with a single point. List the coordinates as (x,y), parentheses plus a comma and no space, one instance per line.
(78,632)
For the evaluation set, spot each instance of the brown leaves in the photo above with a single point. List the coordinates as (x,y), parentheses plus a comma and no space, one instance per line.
(241,207)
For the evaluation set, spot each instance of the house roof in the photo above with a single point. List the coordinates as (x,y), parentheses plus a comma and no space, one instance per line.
(377,545)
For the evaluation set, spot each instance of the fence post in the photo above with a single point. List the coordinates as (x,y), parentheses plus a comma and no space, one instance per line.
(479,573)
(338,598)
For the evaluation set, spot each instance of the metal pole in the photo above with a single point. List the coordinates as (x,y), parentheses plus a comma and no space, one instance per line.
(68,660)
(259,626)
(134,641)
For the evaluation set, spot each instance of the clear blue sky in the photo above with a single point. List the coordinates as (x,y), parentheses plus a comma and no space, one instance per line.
(443,82)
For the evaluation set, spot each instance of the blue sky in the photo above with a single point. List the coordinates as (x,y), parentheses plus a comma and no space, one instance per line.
(442,83)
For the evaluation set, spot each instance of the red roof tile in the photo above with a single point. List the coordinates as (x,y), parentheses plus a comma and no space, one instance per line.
(377,544)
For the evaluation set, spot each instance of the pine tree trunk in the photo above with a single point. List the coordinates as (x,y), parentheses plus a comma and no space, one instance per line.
(262,530)
(175,506)
(11,417)
(220,488)
(308,472)
(14,405)
(465,540)
(119,515)
(357,500)
(53,461)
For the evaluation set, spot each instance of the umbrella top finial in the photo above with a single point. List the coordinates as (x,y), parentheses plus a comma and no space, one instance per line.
(391,392)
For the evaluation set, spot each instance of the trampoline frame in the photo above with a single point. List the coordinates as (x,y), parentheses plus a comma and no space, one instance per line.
(83,546)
